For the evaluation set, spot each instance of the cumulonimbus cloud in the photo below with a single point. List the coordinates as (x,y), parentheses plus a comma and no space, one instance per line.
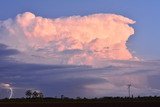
(75,39)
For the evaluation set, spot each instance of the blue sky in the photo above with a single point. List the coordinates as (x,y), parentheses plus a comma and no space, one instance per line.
(145,42)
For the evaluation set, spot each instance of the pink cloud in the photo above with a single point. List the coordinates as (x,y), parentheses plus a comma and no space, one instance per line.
(99,36)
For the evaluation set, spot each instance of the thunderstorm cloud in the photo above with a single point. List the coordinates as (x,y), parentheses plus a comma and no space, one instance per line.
(84,56)
(76,40)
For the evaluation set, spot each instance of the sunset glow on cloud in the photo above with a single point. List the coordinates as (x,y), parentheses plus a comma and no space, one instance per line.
(80,40)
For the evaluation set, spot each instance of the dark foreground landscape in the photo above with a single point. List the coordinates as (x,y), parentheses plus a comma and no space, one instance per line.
(79,102)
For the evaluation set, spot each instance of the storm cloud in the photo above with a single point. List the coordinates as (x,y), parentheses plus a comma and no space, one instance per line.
(82,56)
(77,40)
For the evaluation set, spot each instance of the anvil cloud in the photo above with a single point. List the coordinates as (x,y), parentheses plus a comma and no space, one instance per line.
(69,40)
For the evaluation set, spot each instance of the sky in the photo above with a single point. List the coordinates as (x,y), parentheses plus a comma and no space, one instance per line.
(65,47)
(143,12)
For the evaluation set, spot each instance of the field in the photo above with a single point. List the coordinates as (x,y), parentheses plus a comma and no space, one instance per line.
(96,102)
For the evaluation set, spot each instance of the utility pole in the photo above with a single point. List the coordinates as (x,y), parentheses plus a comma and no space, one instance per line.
(129,90)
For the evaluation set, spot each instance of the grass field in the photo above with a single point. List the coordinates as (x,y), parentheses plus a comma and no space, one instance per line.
(67,102)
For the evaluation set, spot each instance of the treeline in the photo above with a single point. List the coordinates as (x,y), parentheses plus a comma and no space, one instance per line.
(82,102)
(67,99)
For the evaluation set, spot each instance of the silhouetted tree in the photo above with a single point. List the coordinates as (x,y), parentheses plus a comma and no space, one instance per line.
(40,95)
(35,94)
(28,93)
(78,98)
